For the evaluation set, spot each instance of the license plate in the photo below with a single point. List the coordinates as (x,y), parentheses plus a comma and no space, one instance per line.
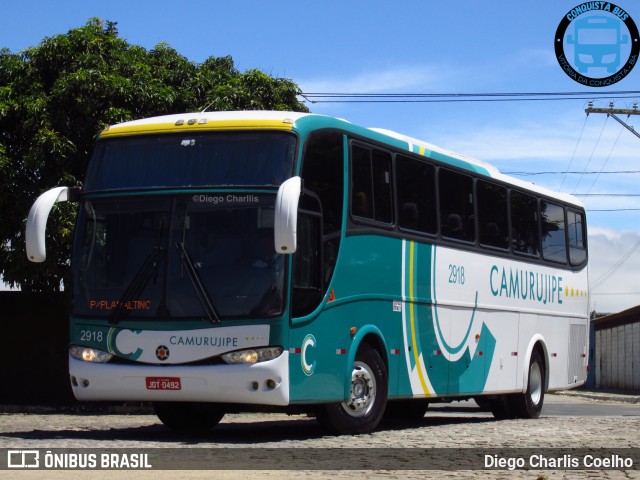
(163,383)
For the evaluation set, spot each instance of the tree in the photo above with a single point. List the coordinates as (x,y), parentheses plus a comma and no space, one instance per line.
(54,100)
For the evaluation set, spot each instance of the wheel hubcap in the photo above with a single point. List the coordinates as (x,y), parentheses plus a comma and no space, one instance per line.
(363,391)
(535,383)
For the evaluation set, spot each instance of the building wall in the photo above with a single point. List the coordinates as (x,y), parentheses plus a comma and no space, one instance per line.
(617,351)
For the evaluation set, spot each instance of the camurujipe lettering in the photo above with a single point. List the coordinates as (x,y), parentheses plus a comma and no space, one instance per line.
(525,285)
(199,341)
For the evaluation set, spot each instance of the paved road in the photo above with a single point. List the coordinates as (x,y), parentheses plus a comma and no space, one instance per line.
(562,405)
(565,423)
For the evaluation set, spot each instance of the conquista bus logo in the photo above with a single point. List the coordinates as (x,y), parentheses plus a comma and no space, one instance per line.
(597,44)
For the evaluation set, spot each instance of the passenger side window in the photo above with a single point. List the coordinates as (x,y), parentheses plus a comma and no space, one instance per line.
(577,238)
(456,206)
(371,184)
(554,242)
(525,236)
(492,215)
(416,182)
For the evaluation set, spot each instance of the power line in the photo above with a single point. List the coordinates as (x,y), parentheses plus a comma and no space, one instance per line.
(360,97)
(607,159)
(606,194)
(613,209)
(575,150)
(554,172)
(604,277)
(592,152)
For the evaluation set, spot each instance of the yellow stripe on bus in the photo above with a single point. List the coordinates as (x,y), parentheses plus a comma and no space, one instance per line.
(171,127)
(413,322)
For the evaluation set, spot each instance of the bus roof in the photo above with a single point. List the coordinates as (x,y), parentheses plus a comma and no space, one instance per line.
(292,121)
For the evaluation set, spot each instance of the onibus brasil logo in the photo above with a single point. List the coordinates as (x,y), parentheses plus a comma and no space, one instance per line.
(597,44)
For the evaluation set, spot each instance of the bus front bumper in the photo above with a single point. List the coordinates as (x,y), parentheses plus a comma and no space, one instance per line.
(265,383)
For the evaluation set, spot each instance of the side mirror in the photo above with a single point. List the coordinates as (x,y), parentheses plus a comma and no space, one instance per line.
(37,222)
(286,215)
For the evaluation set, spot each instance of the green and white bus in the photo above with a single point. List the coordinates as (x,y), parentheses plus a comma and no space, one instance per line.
(230,260)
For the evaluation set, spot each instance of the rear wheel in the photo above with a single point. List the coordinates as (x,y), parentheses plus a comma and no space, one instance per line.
(362,412)
(529,403)
(188,417)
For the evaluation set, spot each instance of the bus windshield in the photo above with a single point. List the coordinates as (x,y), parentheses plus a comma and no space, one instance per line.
(192,159)
(168,257)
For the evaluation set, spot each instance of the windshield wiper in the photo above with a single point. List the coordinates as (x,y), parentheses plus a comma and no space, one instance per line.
(201,292)
(136,287)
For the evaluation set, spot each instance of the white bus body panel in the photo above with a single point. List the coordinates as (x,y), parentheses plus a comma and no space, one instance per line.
(521,304)
(199,383)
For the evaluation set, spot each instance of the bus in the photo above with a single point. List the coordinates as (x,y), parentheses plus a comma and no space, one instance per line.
(298,262)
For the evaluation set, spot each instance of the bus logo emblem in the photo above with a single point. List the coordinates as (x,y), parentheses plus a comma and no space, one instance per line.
(307,368)
(598,39)
(162,352)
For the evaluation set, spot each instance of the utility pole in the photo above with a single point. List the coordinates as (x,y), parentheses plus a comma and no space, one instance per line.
(611,112)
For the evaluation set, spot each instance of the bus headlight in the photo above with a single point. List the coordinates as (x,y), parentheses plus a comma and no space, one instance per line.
(252,355)
(87,354)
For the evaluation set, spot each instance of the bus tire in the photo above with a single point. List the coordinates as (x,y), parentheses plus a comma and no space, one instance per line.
(366,405)
(188,417)
(529,404)
(502,407)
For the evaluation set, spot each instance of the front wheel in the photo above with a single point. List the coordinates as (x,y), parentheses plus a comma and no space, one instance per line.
(188,417)
(362,412)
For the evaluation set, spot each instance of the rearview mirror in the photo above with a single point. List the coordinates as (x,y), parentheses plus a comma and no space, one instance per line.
(37,222)
(286,215)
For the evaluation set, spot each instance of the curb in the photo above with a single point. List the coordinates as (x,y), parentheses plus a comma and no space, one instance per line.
(604,396)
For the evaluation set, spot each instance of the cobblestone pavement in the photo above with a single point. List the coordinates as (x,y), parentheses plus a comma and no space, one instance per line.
(439,429)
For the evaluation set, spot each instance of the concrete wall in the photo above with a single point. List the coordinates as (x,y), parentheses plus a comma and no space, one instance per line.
(617,353)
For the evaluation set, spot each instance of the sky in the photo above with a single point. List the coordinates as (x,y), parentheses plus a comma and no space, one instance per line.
(419,47)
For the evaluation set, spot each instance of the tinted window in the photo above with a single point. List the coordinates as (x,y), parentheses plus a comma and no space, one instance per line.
(192,159)
(323,175)
(371,187)
(416,195)
(456,206)
(577,238)
(554,242)
(362,190)
(492,215)
(525,237)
